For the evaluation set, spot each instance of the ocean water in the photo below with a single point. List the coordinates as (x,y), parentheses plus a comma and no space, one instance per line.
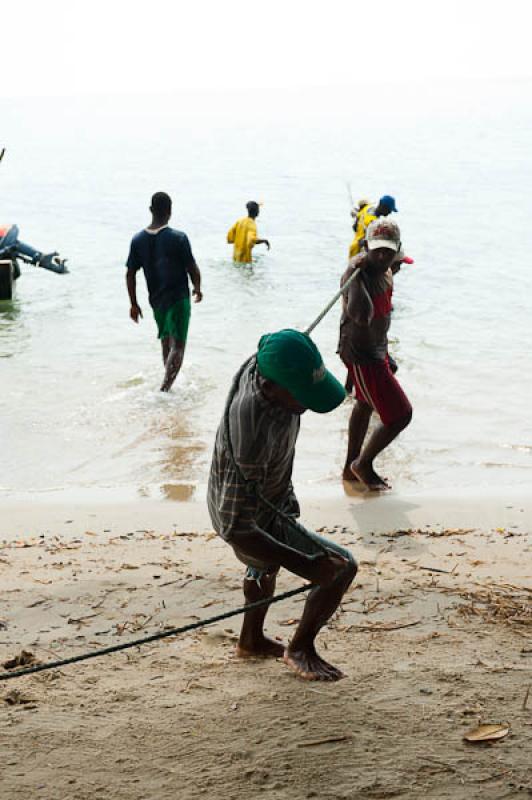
(80,411)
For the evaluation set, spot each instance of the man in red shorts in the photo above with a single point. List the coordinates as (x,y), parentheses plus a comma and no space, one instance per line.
(363,347)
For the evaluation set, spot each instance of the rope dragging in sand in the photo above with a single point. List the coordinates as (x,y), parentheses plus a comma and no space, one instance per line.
(104,651)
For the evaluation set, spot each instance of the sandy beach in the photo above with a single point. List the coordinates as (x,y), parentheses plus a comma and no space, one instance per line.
(435,636)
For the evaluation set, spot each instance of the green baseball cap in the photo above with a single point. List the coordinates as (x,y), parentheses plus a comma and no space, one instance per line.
(292,360)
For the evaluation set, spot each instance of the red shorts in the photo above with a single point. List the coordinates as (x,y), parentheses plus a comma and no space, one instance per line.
(375,385)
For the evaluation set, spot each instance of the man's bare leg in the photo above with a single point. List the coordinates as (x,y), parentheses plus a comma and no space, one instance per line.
(358,427)
(252,641)
(321,604)
(348,385)
(165,347)
(173,362)
(382,436)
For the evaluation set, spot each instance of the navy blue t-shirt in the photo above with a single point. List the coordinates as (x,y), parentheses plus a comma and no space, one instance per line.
(164,256)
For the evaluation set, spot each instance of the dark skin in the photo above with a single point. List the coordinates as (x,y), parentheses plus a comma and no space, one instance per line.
(382,210)
(395,268)
(173,351)
(253,213)
(330,573)
(359,460)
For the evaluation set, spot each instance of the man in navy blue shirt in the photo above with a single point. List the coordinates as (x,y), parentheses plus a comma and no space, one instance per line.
(166,258)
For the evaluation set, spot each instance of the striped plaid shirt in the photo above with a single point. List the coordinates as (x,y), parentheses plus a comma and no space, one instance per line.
(263,437)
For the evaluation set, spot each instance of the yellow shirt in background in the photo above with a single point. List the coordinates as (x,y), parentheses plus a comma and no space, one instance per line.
(365,216)
(243,236)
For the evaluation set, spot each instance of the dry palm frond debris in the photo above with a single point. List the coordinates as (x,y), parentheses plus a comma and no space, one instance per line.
(498,603)
(23,659)
(436,534)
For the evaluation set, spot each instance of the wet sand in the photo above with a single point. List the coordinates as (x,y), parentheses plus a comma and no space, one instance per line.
(435,635)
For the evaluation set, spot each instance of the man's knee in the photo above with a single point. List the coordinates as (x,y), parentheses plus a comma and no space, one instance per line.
(176,347)
(402,422)
(351,568)
(407,419)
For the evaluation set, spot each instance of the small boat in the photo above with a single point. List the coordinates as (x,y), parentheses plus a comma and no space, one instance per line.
(12,250)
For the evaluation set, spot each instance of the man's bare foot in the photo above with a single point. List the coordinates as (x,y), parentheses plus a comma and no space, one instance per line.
(310,666)
(262,648)
(348,475)
(369,477)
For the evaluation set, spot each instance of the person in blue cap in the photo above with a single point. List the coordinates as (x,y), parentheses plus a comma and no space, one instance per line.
(251,477)
(365,213)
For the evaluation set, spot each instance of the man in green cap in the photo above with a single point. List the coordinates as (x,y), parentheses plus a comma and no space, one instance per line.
(251,471)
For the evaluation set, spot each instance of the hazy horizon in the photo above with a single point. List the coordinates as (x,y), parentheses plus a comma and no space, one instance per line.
(117,48)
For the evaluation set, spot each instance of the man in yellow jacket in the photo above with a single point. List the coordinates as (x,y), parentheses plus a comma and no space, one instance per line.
(243,235)
(366,213)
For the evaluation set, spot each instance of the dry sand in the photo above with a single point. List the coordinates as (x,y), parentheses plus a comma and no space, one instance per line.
(435,635)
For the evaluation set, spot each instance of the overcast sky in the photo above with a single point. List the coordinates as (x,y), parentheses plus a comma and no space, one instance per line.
(76,47)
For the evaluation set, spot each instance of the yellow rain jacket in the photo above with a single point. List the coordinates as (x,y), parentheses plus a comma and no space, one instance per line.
(364,217)
(243,235)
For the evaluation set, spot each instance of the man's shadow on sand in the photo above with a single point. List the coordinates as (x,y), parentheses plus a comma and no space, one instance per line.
(381,518)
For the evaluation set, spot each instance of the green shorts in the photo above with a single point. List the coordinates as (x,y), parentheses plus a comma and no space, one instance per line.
(173,321)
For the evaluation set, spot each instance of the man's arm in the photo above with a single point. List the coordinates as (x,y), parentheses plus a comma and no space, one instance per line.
(238,515)
(258,544)
(231,233)
(195,277)
(192,268)
(359,306)
(237,508)
(359,303)
(135,310)
(133,264)
(400,259)
(395,266)
(253,238)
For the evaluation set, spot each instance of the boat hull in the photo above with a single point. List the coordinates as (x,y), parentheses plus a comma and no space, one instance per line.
(8,274)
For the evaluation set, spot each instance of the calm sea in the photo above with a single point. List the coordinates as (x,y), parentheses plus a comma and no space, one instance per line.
(80,411)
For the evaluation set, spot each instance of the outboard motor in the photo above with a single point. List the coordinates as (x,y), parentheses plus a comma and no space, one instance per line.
(12,249)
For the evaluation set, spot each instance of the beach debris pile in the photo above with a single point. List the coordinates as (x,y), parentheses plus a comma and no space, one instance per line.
(24,659)
(498,603)
(17,698)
